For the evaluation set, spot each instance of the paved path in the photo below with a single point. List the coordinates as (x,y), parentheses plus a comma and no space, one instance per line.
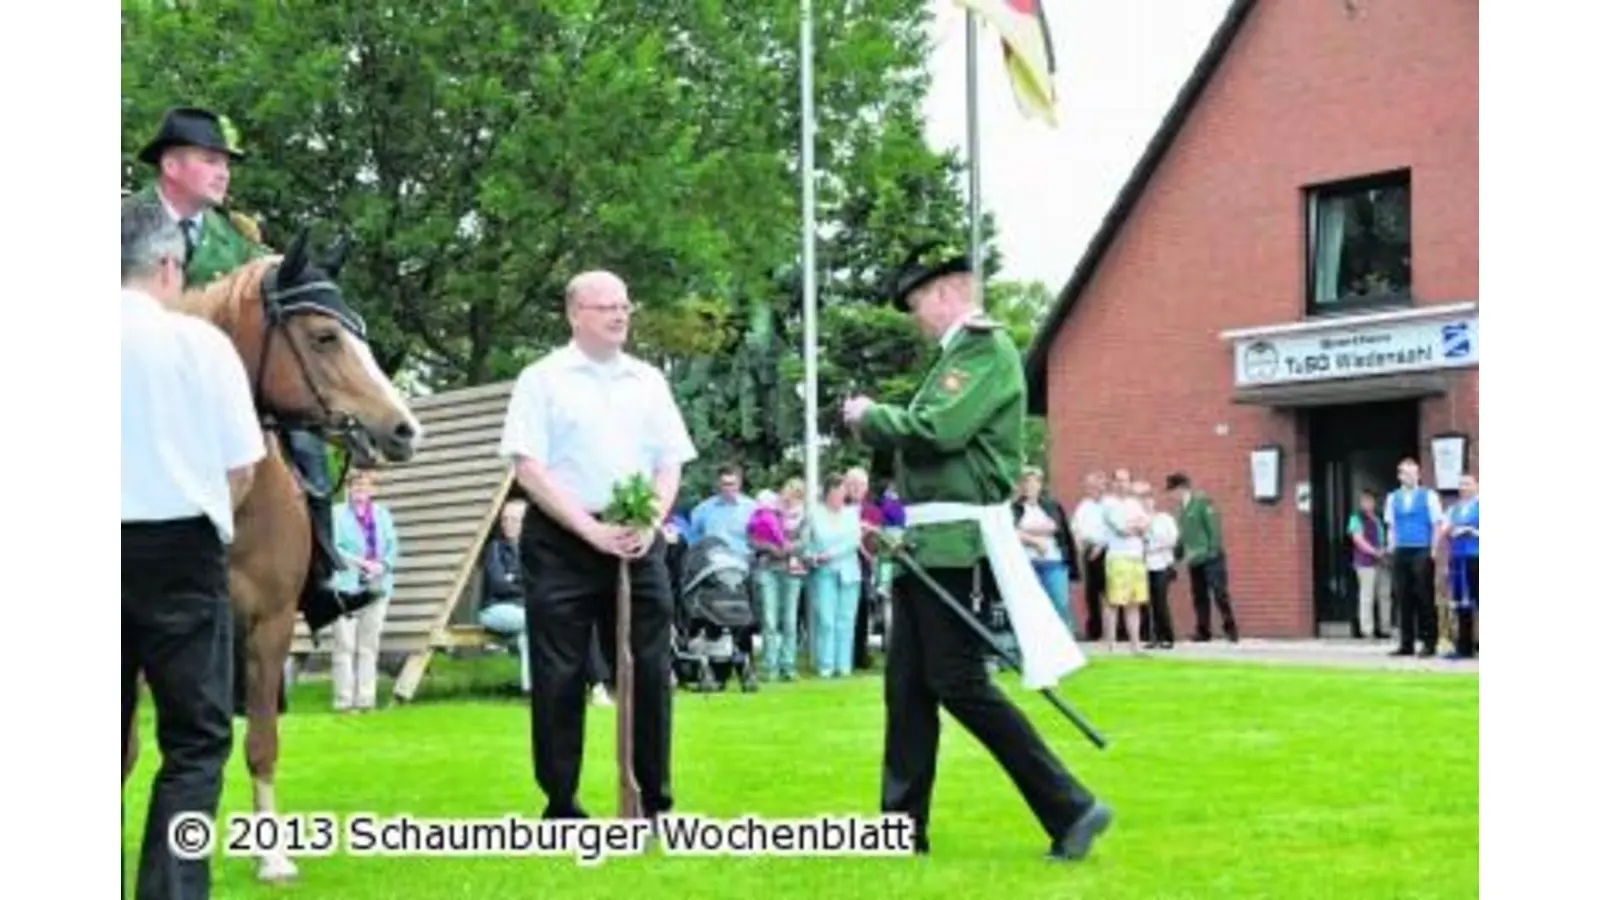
(1324,652)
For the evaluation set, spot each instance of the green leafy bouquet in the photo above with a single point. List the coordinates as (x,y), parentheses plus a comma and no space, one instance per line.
(633,503)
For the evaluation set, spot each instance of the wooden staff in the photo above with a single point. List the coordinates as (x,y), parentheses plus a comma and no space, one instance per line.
(632,506)
(629,804)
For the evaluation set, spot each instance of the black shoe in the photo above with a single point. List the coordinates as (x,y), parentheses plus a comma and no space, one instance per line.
(1403,651)
(1427,652)
(1075,843)
(564,812)
(322,606)
(1200,638)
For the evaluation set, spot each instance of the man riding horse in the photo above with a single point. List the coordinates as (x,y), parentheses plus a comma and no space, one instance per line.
(191,154)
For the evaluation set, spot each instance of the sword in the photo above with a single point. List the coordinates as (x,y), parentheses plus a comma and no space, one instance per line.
(898,551)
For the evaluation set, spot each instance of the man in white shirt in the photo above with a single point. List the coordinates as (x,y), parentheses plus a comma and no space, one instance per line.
(1413,516)
(1089,527)
(190,441)
(580,420)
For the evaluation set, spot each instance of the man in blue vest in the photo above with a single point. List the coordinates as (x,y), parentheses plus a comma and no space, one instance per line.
(1413,514)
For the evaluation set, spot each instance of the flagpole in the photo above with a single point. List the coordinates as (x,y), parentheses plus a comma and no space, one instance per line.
(808,205)
(974,188)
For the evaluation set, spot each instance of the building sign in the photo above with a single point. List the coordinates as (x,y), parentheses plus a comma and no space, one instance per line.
(1354,351)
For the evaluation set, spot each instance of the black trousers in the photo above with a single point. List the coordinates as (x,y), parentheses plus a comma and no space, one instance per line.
(1413,588)
(177,629)
(936,660)
(1094,595)
(1466,636)
(598,671)
(1466,615)
(1208,583)
(862,649)
(1157,627)
(572,588)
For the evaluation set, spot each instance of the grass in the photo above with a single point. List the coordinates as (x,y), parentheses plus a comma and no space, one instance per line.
(1228,781)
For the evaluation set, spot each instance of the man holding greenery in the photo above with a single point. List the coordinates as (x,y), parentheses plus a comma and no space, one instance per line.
(583,421)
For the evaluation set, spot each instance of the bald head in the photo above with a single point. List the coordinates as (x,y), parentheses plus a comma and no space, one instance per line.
(598,309)
(595,286)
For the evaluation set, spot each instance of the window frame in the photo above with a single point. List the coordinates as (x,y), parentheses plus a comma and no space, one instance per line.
(1311,195)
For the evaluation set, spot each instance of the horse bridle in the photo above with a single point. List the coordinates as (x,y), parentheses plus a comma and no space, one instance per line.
(279,305)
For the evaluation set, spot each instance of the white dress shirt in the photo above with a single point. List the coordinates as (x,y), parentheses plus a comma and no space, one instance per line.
(187,416)
(1089,523)
(1161,542)
(592,424)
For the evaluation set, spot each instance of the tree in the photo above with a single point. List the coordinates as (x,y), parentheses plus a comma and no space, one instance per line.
(1021,305)
(483,152)
(884,196)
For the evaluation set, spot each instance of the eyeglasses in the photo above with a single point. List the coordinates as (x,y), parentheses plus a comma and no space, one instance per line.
(610,308)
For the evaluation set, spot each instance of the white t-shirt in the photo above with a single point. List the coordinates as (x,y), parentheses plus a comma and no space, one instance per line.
(1122,513)
(1034,518)
(1160,542)
(187,416)
(593,424)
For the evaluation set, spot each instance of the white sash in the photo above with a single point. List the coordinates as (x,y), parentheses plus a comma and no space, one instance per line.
(1048,651)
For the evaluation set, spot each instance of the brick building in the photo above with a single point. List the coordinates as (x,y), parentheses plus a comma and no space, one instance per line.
(1290,273)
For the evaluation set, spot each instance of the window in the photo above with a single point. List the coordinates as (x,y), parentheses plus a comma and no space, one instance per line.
(1359,252)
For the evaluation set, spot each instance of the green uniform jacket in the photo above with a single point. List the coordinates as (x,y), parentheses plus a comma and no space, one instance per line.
(1200,530)
(959,440)
(222,248)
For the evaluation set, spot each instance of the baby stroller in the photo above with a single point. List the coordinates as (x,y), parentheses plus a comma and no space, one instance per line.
(715,619)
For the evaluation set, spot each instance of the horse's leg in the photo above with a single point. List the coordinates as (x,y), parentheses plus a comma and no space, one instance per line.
(268,646)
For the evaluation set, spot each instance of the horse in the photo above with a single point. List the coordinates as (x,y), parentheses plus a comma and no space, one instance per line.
(309,364)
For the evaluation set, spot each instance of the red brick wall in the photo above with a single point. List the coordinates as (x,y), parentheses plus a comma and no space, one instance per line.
(1138,375)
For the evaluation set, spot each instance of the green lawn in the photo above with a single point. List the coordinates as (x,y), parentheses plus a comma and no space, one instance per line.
(1228,781)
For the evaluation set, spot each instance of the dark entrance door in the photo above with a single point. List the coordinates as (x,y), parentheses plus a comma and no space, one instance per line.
(1352,448)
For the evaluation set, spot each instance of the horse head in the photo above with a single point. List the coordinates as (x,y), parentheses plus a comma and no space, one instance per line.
(314,366)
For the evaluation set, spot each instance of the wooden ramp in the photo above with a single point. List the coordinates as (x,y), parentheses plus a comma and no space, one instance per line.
(446,502)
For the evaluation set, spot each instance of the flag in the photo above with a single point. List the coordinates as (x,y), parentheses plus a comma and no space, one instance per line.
(1030,58)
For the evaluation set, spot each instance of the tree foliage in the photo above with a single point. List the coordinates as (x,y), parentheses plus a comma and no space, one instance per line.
(482,152)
